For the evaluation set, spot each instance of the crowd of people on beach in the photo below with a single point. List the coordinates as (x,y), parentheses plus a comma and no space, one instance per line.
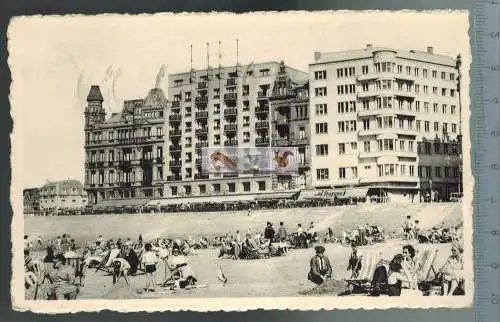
(64,265)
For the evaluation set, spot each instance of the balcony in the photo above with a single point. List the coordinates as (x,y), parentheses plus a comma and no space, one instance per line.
(199,176)
(230,112)
(368,94)
(146,163)
(159,160)
(201,115)
(200,145)
(299,141)
(261,109)
(282,94)
(202,131)
(202,85)
(230,96)
(231,82)
(230,128)
(281,142)
(405,77)
(261,125)
(405,112)
(201,99)
(175,163)
(232,142)
(136,140)
(261,141)
(175,133)
(175,117)
(282,121)
(90,165)
(175,148)
(405,94)
(124,164)
(100,164)
(124,184)
(370,132)
(174,178)
(261,95)
(176,104)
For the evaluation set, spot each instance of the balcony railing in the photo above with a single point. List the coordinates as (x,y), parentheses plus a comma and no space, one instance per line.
(261,95)
(124,163)
(262,109)
(282,94)
(175,133)
(175,163)
(232,142)
(201,99)
(300,141)
(159,160)
(201,131)
(230,96)
(230,112)
(175,148)
(231,82)
(175,118)
(230,127)
(176,104)
(262,141)
(201,115)
(200,145)
(202,85)
(200,176)
(174,178)
(146,163)
(261,125)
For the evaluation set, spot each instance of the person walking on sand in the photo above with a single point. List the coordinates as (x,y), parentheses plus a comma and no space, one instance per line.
(321,269)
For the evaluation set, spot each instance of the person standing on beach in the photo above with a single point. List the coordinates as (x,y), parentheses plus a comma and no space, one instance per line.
(149,260)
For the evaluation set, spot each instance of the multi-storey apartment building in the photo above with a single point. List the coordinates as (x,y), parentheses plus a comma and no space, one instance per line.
(226,107)
(385,119)
(62,195)
(31,201)
(125,152)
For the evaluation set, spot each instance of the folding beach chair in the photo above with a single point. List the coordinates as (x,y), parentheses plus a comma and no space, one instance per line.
(361,281)
(108,259)
(426,272)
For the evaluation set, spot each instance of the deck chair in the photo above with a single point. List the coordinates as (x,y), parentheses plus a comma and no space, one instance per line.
(426,274)
(43,284)
(361,281)
(108,259)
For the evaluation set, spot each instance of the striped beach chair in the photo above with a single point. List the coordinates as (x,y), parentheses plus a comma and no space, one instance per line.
(361,281)
(425,263)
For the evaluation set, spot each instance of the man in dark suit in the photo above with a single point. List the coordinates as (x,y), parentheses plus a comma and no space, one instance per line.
(320,267)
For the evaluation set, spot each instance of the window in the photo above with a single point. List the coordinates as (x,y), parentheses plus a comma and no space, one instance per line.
(321,128)
(173,191)
(436,126)
(412,170)
(424,73)
(320,91)
(401,123)
(246,186)
(203,189)
(434,90)
(408,70)
(417,88)
(417,124)
(416,71)
(426,107)
(443,75)
(434,74)
(264,72)
(445,128)
(443,92)
(246,137)
(426,90)
(452,76)
(322,149)
(341,148)
(216,187)
(354,172)
(366,105)
(366,146)
(453,128)
(365,87)
(402,170)
(319,75)
(322,174)
(366,125)
(452,92)
(437,147)
(444,108)
(187,190)
(342,173)
(428,172)
(435,107)
(437,172)
(453,109)
(246,90)
(364,69)
(231,187)
(262,185)
(354,146)
(321,109)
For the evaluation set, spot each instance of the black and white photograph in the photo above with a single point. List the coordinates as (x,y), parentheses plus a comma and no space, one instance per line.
(269,160)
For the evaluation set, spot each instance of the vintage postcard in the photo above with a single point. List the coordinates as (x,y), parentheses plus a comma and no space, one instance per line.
(274,160)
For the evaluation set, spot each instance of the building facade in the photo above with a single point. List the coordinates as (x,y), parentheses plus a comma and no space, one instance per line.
(231,107)
(385,119)
(125,152)
(31,201)
(62,195)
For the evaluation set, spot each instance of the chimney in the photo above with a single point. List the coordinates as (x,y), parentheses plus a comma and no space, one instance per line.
(369,46)
(317,55)
(430,50)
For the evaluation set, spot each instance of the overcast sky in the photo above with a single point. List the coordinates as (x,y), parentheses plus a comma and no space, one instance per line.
(54,60)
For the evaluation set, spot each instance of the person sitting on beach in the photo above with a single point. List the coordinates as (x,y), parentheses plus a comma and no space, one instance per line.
(320,267)
(409,267)
(149,260)
(452,270)
(121,268)
(396,277)
(182,274)
(63,280)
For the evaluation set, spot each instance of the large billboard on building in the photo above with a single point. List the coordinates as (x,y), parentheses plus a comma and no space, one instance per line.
(254,160)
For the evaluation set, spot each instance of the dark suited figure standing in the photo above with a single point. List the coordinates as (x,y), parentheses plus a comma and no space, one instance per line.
(321,268)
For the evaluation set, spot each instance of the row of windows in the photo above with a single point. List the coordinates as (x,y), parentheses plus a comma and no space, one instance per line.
(116,177)
(386,102)
(123,134)
(387,67)
(385,85)
(261,72)
(218,188)
(391,170)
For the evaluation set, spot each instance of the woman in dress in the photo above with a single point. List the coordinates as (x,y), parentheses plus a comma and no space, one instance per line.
(452,270)
(409,266)
(396,276)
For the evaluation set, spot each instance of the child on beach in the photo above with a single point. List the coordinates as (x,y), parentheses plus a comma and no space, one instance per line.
(149,260)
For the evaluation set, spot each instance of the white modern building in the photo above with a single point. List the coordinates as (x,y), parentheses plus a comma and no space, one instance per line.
(387,120)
